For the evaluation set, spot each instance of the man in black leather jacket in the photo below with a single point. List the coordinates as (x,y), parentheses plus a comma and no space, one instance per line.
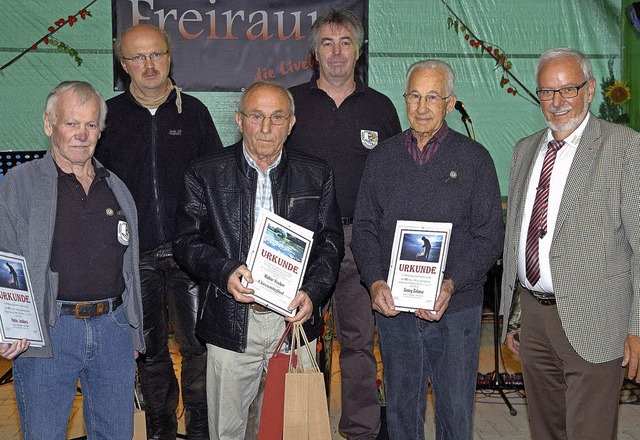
(215,220)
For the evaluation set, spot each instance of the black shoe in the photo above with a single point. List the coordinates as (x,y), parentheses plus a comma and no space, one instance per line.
(197,424)
(383,433)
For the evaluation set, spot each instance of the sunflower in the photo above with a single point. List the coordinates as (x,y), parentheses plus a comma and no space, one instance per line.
(618,93)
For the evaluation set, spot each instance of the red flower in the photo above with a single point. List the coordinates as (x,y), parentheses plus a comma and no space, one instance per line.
(496,52)
(72,20)
(60,22)
(489,49)
(502,59)
(510,90)
(83,14)
(51,29)
(46,40)
(34,47)
(466,37)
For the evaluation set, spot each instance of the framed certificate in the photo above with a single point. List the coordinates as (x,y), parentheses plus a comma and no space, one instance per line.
(277,258)
(18,314)
(418,260)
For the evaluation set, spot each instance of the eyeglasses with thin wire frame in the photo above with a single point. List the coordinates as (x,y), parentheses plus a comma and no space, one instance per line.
(258,118)
(565,92)
(414,98)
(141,58)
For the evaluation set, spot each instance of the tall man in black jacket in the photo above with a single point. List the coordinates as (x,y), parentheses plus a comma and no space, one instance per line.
(353,119)
(215,222)
(153,132)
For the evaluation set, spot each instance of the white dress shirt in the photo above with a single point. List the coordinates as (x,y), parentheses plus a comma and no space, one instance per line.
(561,168)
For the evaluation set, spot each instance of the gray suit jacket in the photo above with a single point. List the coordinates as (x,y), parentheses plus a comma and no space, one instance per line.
(595,251)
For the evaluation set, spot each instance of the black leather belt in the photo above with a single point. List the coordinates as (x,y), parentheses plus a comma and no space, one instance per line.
(259,307)
(346,221)
(88,309)
(546,299)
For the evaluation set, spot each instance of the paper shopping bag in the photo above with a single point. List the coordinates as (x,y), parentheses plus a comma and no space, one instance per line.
(139,421)
(306,415)
(272,413)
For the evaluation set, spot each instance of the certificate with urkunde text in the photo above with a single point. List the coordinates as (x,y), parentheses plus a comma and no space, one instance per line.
(18,314)
(278,258)
(418,260)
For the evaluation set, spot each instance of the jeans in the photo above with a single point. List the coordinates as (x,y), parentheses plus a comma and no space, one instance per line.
(446,353)
(99,352)
(169,294)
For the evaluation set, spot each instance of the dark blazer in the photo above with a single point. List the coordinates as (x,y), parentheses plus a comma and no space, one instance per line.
(595,265)
(214,227)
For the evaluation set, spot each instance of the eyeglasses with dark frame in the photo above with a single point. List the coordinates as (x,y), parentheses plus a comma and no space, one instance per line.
(565,92)
(141,58)
(258,118)
(431,99)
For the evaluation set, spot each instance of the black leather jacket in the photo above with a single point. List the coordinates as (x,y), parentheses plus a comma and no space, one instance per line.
(214,227)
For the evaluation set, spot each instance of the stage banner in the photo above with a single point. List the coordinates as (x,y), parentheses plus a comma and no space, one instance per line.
(223,45)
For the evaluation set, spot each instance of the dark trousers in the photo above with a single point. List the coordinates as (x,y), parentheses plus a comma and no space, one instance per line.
(354,320)
(568,398)
(168,294)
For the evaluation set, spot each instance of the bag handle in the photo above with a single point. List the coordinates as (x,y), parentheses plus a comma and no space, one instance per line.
(287,330)
(295,342)
(298,336)
(136,400)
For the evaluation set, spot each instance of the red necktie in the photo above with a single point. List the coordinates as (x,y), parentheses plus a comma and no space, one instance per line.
(538,223)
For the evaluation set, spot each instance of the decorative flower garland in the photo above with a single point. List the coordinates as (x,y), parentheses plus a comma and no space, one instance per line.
(508,79)
(49,39)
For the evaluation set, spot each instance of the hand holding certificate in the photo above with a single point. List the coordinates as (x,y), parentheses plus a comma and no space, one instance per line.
(277,259)
(418,260)
(18,314)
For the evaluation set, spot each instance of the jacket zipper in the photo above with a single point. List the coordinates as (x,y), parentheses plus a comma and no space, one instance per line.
(295,199)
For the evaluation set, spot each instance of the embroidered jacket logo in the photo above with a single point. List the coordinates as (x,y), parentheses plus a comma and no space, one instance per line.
(369,138)
(175,132)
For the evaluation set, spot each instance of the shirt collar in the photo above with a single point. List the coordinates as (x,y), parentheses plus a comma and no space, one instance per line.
(101,172)
(313,83)
(574,138)
(439,137)
(252,163)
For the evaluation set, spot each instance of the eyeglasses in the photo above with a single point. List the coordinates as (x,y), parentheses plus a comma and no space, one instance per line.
(431,98)
(565,92)
(140,59)
(258,118)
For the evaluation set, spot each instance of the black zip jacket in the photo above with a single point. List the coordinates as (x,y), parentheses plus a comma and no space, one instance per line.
(150,153)
(214,227)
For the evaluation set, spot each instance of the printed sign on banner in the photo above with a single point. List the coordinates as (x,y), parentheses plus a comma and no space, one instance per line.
(224,45)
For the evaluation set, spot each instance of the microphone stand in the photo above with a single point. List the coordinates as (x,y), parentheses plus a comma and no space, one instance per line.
(466,120)
(497,381)
(466,126)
